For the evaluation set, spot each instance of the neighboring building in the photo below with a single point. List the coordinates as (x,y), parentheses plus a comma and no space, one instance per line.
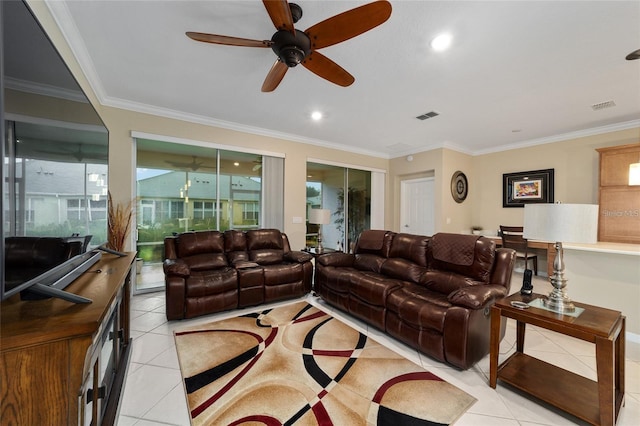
(188,200)
(60,198)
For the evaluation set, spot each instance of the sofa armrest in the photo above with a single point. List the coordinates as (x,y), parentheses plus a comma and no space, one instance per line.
(338,259)
(476,297)
(176,267)
(298,256)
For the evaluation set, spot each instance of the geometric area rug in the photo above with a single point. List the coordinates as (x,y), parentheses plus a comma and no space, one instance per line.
(296,364)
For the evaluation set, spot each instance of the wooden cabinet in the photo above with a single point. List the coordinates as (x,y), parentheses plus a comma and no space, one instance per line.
(619,218)
(63,363)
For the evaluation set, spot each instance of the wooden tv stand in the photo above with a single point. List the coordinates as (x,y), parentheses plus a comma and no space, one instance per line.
(65,363)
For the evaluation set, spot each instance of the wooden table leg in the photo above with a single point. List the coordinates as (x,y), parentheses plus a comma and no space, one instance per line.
(606,380)
(520,329)
(494,345)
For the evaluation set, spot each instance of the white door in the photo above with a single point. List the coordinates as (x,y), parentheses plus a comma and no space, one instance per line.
(417,213)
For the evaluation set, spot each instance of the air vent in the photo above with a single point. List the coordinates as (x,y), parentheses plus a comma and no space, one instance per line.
(603,105)
(427,115)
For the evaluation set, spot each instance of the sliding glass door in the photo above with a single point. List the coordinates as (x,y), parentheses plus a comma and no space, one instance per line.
(346,193)
(191,188)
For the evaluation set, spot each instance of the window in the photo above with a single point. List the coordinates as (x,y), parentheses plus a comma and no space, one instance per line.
(203,209)
(250,212)
(75,209)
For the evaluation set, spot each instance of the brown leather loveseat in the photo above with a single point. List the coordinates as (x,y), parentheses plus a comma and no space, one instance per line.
(432,293)
(211,271)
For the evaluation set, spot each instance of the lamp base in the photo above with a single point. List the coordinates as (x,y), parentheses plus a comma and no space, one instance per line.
(557,300)
(558,304)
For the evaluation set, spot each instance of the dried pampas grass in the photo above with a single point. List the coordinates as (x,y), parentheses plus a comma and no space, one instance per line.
(119,224)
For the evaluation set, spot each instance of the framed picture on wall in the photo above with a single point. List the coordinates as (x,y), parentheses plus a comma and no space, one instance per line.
(535,186)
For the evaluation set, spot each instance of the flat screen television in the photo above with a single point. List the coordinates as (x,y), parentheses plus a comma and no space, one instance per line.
(52,283)
(48,128)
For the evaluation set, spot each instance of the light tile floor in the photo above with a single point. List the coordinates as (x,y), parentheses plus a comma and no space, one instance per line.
(154,395)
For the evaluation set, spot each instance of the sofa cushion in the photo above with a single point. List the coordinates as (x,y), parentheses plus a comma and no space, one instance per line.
(402,269)
(468,255)
(446,282)
(265,246)
(204,261)
(372,288)
(259,239)
(337,279)
(368,262)
(234,240)
(201,242)
(374,241)
(419,306)
(283,273)
(410,247)
(204,283)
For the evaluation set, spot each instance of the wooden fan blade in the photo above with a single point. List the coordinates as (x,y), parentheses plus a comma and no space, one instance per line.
(229,41)
(324,67)
(349,24)
(280,14)
(275,76)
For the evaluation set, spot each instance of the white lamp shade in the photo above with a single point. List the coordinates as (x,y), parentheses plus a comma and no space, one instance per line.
(320,216)
(566,223)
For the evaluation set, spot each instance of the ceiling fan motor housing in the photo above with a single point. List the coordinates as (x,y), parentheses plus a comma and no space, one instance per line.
(291,49)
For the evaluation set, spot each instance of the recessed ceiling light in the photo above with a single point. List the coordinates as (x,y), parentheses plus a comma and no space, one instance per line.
(316,115)
(441,42)
(236,164)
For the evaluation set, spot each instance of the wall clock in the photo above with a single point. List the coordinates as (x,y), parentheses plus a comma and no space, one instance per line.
(459,186)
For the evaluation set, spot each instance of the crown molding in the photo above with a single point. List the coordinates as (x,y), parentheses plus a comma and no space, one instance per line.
(208,121)
(564,136)
(44,90)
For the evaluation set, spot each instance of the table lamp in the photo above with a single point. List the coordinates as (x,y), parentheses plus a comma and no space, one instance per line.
(568,223)
(320,217)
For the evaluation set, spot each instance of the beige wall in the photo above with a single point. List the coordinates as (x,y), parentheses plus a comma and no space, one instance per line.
(575,164)
(122,168)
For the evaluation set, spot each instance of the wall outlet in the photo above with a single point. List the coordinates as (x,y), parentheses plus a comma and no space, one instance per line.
(297,219)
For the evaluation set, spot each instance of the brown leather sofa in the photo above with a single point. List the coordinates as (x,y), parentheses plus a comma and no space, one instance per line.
(211,271)
(432,293)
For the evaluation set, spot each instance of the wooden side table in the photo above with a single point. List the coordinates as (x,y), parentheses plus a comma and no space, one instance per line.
(596,402)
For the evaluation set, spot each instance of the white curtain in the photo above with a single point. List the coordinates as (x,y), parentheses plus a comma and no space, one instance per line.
(272,192)
(377,200)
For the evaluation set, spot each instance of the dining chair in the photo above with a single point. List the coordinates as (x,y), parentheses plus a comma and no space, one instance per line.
(512,237)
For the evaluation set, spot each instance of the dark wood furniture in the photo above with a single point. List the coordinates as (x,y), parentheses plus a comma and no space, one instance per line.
(65,363)
(512,237)
(533,244)
(619,202)
(596,402)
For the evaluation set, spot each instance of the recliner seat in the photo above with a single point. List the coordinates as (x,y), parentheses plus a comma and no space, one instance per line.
(432,293)
(211,271)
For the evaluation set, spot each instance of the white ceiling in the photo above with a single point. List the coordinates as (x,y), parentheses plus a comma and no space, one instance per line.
(518,72)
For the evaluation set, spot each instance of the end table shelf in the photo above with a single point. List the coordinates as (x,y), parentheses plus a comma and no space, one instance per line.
(596,402)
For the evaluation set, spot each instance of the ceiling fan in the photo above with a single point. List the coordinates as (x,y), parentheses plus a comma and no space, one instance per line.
(295,47)
(193,165)
(79,154)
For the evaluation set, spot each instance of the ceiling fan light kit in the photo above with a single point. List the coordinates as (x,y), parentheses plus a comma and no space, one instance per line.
(293,47)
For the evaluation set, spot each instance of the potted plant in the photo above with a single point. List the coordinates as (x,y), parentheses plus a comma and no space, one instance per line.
(119,224)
